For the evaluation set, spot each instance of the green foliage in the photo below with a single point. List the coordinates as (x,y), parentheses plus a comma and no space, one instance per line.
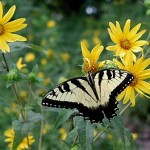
(22,90)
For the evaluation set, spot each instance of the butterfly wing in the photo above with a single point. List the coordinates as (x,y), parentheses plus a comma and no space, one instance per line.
(75,93)
(109,83)
(78,93)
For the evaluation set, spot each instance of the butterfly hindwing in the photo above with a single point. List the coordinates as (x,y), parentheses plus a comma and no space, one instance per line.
(94,96)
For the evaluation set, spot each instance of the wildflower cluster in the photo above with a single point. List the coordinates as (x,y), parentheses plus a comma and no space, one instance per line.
(127,47)
(127,44)
(25,142)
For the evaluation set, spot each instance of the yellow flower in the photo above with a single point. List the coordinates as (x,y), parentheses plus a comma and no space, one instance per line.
(65,56)
(43,61)
(126,40)
(10,135)
(47,81)
(23,93)
(90,58)
(7,28)
(86,43)
(50,53)
(25,141)
(134,136)
(96,40)
(138,69)
(29,57)
(63,134)
(51,24)
(41,75)
(19,64)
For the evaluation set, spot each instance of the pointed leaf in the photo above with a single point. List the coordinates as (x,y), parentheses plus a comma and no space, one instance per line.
(63,116)
(119,126)
(85,133)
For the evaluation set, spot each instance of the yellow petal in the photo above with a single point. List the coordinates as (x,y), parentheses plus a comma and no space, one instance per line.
(112,48)
(144,86)
(14,37)
(4,46)
(121,95)
(16,28)
(112,36)
(140,43)
(1,11)
(132,97)
(133,57)
(9,139)
(112,27)
(140,92)
(127,95)
(134,30)
(8,15)
(137,49)
(144,64)
(101,64)
(127,27)
(14,23)
(137,36)
(96,51)
(119,64)
(137,64)
(144,74)
(85,51)
(128,59)
(119,29)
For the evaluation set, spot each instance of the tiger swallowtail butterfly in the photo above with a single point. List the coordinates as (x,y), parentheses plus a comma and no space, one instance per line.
(94,96)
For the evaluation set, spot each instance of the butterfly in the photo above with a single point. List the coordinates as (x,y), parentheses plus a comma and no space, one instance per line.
(93,96)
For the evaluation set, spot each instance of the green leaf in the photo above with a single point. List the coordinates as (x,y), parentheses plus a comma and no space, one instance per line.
(17,46)
(35,69)
(119,126)
(71,136)
(17,139)
(85,133)
(16,125)
(63,116)
(37,48)
(27,127)
(3,102)
(34,117)
(75,147)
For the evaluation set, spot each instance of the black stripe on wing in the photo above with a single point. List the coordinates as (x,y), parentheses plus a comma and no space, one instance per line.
(112,105)
(94,115)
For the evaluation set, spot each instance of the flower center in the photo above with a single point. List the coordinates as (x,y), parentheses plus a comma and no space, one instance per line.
(89,66)
(125,44)
(1,29)
(134,82)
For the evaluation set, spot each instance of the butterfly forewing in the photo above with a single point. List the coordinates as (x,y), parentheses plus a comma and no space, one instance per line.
(92,100)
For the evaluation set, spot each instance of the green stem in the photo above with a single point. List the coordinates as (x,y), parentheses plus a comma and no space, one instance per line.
(42,119)
(15,91)
(121,112)
(41,130)
(5,61)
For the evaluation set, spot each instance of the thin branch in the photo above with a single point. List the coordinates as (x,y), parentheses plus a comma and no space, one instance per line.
(6,64)
(41,130)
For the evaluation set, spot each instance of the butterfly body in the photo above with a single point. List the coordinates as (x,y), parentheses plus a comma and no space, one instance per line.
(94,96)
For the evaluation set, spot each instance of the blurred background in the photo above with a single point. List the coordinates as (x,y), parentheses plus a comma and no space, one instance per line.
(55,30)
